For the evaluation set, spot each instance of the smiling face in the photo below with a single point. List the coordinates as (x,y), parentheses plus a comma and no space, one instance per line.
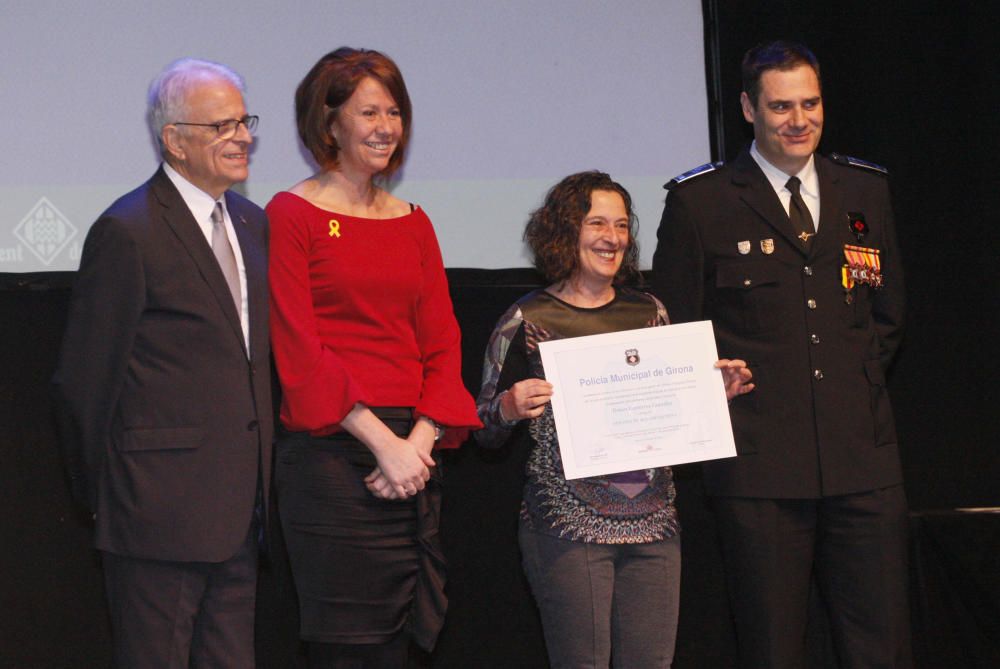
(196,152)
(788,118)
(367,128)
(604,238)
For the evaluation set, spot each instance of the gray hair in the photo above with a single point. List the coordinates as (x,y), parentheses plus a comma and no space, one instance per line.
(167,92)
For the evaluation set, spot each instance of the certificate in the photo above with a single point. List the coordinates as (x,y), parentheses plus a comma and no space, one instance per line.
(638,399)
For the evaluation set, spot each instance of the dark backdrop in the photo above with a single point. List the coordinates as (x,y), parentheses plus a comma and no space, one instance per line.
(914,86)
(915,90)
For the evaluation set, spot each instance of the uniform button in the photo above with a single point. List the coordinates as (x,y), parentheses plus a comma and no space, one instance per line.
(807,270)
(747,282)
(814,338)
(818,374)
(811,303)
(252,425)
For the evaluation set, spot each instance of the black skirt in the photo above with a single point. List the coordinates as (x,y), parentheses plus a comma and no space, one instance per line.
(364,568)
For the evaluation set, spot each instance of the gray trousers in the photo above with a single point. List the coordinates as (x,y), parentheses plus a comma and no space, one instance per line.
(605,602)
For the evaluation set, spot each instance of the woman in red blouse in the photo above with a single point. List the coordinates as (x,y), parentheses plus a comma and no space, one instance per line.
(367,350)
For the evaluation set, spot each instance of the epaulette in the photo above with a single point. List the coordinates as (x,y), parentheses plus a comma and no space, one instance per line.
(857,162)
(691,174)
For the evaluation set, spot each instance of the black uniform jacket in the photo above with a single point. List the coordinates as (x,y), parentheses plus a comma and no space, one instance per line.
(819,421)
(165,418)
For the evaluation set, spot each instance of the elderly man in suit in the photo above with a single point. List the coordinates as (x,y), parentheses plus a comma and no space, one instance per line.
(793,257)
(163,390)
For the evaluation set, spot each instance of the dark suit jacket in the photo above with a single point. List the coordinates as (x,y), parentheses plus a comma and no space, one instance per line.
(166,421)
(819,421)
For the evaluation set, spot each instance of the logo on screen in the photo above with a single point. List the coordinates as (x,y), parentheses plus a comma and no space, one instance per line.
(45,231)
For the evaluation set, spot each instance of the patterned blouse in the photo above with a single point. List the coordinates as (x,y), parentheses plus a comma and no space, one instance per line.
(629,508)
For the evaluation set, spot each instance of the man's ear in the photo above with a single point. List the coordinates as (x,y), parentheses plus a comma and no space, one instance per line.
(170,136)
(748,110)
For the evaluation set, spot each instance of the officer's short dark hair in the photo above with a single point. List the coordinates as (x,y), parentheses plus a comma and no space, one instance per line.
(779,55)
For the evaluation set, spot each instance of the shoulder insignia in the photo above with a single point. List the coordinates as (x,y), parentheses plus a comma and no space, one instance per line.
(857,162)
(691,174)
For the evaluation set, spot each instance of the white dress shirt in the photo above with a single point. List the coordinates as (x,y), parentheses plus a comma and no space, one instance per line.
(809,190)
(201,206)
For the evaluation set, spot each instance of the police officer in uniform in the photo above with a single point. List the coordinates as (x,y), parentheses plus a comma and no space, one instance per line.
(793,257)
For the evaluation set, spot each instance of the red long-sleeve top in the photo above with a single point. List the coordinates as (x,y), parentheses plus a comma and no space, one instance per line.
(360,312)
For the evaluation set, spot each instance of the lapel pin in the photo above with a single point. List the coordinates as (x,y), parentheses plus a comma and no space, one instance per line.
(767,246)
(743,247)
(335,228)
(856,221)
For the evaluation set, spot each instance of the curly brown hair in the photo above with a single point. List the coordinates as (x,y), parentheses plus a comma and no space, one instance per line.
(553,230)
(329,84)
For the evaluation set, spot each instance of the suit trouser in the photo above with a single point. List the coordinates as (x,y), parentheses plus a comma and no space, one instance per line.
(175,615)
(856,548)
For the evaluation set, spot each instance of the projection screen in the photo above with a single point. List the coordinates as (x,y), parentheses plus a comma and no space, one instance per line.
(508,97)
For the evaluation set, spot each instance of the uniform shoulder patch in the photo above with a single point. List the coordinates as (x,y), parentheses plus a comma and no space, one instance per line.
(691,174)
(851,161)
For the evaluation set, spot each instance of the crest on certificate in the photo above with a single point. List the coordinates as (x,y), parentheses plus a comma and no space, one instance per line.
(632,356)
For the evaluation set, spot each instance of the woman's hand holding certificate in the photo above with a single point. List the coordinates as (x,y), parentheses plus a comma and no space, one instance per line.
(643,398)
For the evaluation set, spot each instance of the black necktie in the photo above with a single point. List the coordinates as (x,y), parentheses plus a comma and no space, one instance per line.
(798,213)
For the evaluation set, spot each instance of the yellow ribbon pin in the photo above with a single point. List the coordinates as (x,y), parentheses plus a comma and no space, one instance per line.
(335,228)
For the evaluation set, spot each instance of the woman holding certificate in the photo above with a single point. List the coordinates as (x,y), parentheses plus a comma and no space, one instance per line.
(602,555)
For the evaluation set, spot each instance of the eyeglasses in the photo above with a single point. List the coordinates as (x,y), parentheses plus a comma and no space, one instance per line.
(226,129)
